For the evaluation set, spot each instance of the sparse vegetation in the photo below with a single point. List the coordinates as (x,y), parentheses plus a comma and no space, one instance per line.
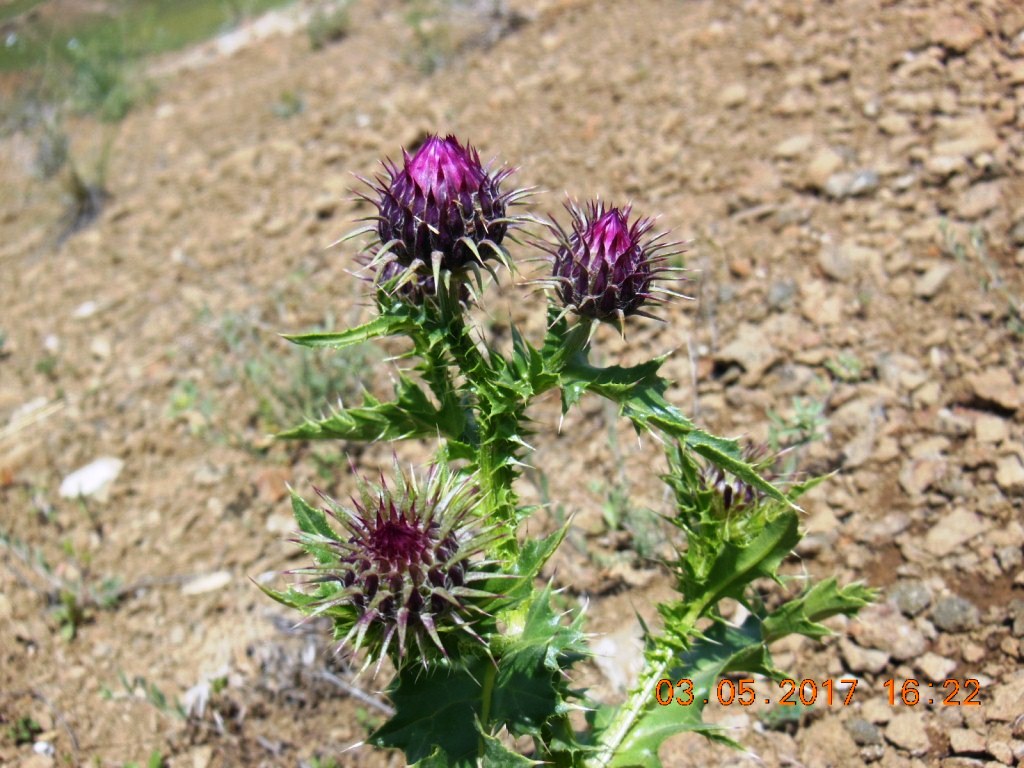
(329,24)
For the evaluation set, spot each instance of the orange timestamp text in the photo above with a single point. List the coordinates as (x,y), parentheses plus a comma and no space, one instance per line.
(806,692)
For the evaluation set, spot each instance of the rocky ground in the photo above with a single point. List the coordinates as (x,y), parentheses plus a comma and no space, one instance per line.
(850,175)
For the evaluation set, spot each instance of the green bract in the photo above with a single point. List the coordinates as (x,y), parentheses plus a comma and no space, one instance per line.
(433,572)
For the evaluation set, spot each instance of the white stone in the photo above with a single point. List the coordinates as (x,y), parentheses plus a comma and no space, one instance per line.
(93,479)
(209,582)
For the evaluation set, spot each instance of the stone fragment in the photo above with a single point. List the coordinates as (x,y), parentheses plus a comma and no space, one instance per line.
(918,475)
(1010,475)
(911,597)
(1004,703)
(881,626)
(94,479)
(956,33)
(967,137)
(794,146)
(979,199)
(752,351)
(894,124)
(865,734)
(823,164)
(963,741)
(907,731)
(733,96)
(953,613)
(952,532)
(852,184)
(996,385)
(862,660)
(990,429)
(934,667)
(932,281)
(207,583)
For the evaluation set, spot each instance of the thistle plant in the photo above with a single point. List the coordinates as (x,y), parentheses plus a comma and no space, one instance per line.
(428,576)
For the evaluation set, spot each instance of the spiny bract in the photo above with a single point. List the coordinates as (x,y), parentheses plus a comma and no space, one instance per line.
(605,268)
(441,211)
(404,564)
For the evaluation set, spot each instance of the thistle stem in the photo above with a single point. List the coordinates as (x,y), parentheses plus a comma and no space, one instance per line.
(490,673)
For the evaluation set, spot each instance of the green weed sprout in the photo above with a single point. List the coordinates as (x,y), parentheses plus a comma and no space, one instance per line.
(431,571)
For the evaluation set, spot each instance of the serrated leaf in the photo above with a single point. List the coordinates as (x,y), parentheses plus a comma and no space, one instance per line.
(433,710)
(383,325)
(803,615)
(530,685)
(410,416)
(735,566)
(497,755)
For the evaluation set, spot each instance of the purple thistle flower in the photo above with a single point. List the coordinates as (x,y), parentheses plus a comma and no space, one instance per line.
(404,565)
(605,268)
(441,211)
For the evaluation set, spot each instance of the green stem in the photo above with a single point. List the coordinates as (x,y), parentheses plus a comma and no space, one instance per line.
(490,673)
(656,666)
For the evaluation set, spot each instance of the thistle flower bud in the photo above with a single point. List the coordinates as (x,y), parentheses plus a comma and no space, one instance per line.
(734,494)
(606,267)
(441,210)
(400,573)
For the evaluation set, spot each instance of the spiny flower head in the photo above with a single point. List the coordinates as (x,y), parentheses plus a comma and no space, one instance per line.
(399,576)
(441,211)
(605,268)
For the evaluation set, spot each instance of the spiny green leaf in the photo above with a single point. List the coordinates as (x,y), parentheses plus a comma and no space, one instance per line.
(310,519)
(538,649)
(433,712)
(804,614)
(735,566)
(497,755)
(383,325)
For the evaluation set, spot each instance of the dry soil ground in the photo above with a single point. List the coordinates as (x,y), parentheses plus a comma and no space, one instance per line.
(850,173)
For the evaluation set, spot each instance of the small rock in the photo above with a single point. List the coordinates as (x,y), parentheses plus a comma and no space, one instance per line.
(881,626)
(911,597)
(907,731)
(956,33)
(931,282)
(1010,475)
(825,162)
(856,184)
(85,309)
(996,385)
(894,124)
(1001,751)
(619,656)
(940,167)
(918,475)
(966,742)
(990,429)
(100,348)
(781,293)
(865,734)
(934,667)
(862,659)
(979,199)
(967,137)
(952,531)
(953,613)
(752,351)
(1005,702)
(94,479)
(208,475)
(794,146)
(733,96)
(207,583)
